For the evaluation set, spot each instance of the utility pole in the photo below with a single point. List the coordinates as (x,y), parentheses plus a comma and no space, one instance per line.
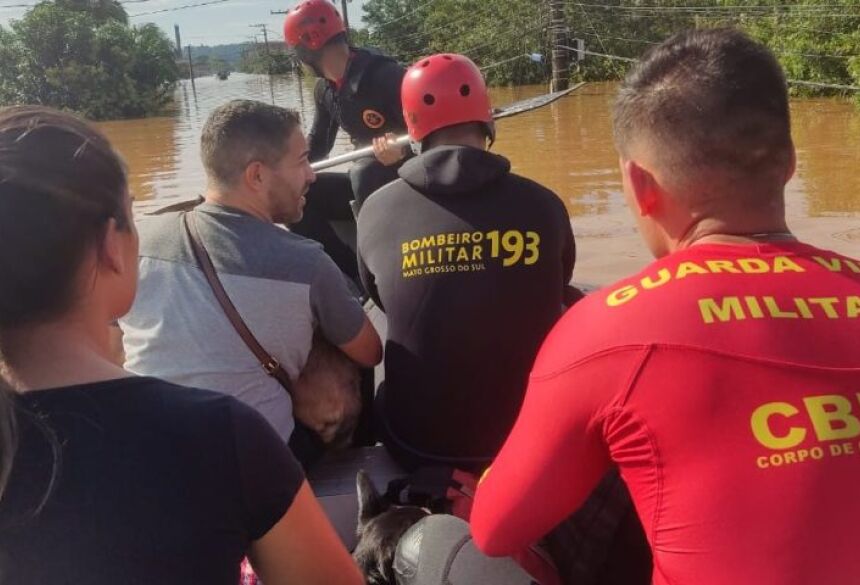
(178,52)
(191,69)
(266,44)
(560,56)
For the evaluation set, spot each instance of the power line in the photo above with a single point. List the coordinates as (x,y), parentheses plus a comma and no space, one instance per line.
(175,8)
(514,58)
(716,8)
(514,30)
(399,18)
(595,54)
(836,86)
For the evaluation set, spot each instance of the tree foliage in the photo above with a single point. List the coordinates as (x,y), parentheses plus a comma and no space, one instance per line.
(82,55)
(815,40)
(276,62)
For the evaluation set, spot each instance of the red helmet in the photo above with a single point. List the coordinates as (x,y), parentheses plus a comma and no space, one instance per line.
(311,24)
(443,90)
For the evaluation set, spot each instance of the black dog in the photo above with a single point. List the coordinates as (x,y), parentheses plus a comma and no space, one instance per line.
(380,526)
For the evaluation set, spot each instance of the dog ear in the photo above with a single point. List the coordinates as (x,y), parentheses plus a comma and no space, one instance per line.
(370,503)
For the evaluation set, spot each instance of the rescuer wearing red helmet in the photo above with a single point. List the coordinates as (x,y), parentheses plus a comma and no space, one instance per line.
(358,90)
(470,264)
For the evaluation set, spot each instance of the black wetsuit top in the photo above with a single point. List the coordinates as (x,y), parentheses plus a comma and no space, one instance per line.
(469,263)
(366,105)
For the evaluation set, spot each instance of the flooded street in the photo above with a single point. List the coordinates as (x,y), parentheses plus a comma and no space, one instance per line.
(566,146)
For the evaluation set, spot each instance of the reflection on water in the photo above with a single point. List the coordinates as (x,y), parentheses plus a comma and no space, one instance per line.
(566,146)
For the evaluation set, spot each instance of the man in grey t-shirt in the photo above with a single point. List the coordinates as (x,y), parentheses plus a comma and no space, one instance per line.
(283,285)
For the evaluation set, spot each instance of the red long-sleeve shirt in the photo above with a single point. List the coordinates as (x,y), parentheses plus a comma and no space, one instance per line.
(724,381)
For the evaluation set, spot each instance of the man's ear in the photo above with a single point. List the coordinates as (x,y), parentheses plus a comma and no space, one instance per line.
(644,186)
(254,175)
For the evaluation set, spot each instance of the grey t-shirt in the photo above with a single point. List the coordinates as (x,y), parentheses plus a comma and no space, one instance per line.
(282,284)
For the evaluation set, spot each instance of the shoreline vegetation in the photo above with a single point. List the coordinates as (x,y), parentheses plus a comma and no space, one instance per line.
(84,56)
(815,40)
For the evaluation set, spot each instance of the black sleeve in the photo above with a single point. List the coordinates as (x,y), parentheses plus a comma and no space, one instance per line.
(388,78)
(568,252)
(269,475)
(324,128)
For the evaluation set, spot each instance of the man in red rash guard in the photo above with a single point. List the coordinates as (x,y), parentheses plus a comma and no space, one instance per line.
(724,380)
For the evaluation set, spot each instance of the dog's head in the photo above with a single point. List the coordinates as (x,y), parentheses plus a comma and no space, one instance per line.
(380,526)
(327,395)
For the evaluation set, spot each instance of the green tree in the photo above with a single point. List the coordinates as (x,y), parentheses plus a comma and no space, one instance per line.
(91,62)
(815,40)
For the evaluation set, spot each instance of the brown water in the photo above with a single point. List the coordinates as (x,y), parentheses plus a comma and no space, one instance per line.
(565,146)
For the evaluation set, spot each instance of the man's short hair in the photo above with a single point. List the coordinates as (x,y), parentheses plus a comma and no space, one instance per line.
(241,132)
(708,100)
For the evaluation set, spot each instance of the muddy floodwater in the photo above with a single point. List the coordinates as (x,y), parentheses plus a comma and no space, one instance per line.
(566,146)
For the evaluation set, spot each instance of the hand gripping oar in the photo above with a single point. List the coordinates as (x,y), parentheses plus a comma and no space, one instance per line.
(513,109)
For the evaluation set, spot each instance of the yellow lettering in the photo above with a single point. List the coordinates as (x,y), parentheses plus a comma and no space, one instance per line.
(786,264)
(831,264)
(462,255)
(803,308)
(826,303)
(477,237)
(414,245)
(763,433)
(718,266)
(404,247)
(532,247)
(762,462)
(410,261)
(826,410)
(467,238)
(622,295)
(852,307)
(754,307)
(753,265)
(663,277)
(774,310)
(428,242)
(477,251)
(687,268)
(729,308)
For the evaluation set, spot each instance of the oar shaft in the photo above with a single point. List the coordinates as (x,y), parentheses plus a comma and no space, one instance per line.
(509,110)
(360,153)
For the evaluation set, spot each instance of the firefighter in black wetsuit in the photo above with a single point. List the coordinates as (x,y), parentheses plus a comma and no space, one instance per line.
(470,264)
(358,90)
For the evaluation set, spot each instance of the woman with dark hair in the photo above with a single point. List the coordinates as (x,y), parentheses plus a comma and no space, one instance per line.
(106,477)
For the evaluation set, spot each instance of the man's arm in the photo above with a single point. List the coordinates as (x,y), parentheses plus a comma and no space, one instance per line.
(389,78)
(365,349)
(554,457)
(324,128)
(341,317)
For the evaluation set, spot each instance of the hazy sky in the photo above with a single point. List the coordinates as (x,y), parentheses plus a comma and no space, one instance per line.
(205,25)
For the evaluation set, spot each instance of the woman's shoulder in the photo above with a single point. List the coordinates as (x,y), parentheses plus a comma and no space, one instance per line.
(137,400)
